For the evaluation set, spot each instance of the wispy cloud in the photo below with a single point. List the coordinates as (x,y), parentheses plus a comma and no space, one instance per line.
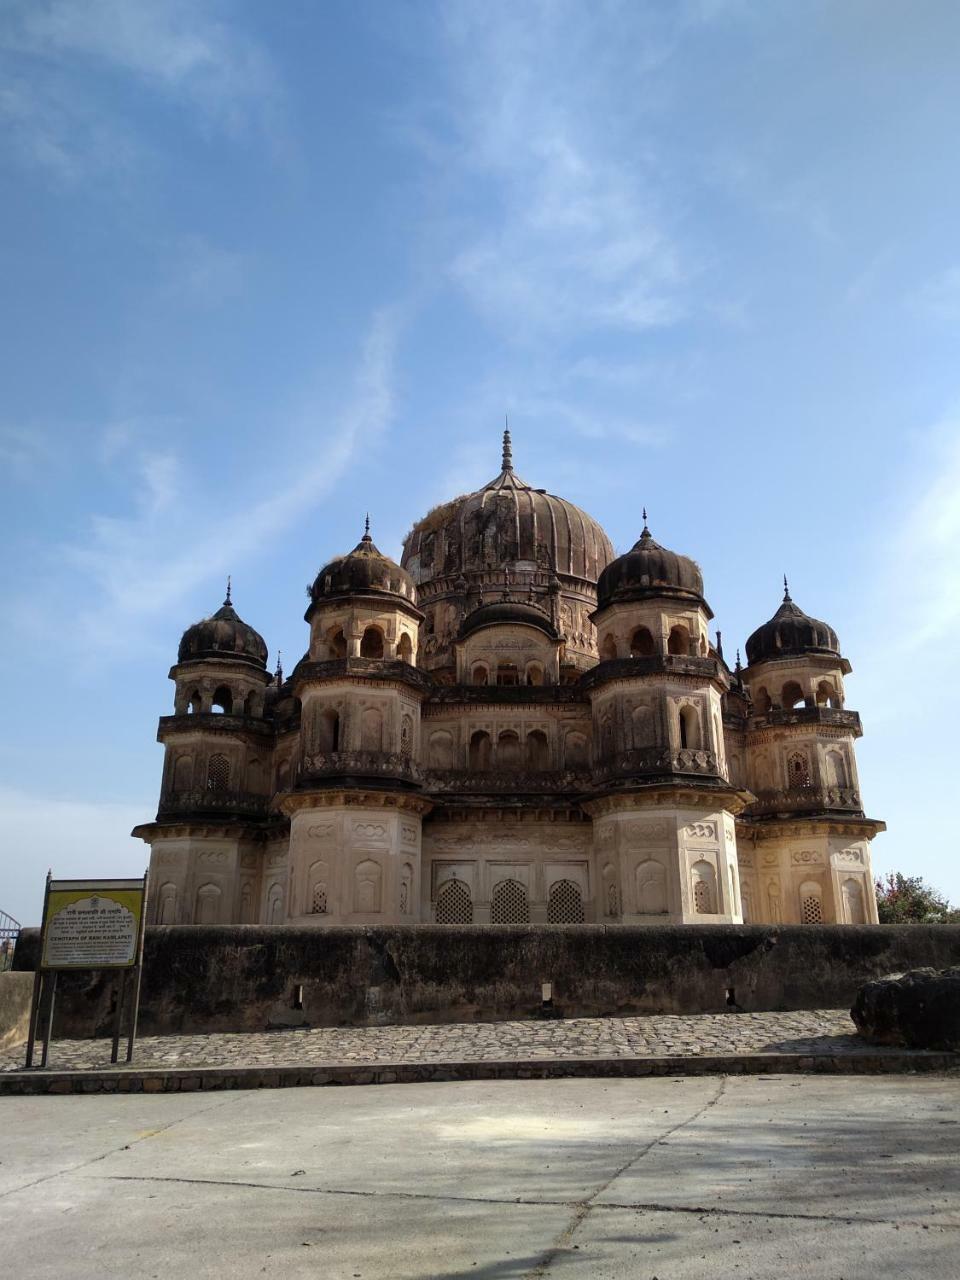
(578,237)
(135,567)
(178,49)
(914,598)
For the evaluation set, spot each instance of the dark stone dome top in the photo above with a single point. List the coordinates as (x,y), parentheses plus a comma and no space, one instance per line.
(365,571)
(506,524)
(647,571)
(505,612)
(225,636)
(791,633)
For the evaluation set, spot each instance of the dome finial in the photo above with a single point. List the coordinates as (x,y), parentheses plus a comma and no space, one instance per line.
(366,529)
(227,600)
(507,462)
(278,677)
(786,590)
(645,529)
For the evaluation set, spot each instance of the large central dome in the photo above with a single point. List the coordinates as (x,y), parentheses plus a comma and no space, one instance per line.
(507,542)
(507,524)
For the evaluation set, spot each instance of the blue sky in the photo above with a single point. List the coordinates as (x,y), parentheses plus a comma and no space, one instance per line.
(267,266)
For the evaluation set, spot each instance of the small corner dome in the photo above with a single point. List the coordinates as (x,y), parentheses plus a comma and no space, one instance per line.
(647,571)
(365,571)
(224,635)
(791,633)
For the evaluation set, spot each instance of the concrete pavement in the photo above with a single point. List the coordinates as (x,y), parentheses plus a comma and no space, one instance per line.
(680,1179)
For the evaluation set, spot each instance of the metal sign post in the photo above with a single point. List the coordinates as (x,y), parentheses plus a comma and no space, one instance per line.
(89,924)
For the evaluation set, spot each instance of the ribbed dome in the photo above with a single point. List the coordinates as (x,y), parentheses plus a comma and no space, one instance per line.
(791,633)
(505,612)
(648,570)
(365,571)
(506,524)
(225,635)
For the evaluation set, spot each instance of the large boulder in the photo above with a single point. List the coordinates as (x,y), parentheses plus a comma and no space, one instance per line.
(919,1009)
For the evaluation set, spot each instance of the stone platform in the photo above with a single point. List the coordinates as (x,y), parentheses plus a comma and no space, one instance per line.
(731,1043)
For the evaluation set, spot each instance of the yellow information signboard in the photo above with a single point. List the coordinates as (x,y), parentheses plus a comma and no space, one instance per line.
(89,924)
(92,924)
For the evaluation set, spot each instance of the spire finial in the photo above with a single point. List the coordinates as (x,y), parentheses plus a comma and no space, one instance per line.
(366,529)
(507,463)
(278,678)
(228,600)
(786,590)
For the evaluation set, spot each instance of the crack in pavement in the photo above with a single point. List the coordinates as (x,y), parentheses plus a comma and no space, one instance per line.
(540,1201)
(151,1133)
(586,1206)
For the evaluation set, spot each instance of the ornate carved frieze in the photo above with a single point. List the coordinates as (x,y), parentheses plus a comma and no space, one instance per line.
(849,857)
(804,857)
(213,857)
(700,831)
(370,831)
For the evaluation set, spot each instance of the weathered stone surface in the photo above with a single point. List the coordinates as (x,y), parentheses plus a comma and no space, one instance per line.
(236,978)
(919,1009)
(16,990)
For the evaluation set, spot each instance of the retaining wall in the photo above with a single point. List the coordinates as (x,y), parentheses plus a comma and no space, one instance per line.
(16,992)
(250,978)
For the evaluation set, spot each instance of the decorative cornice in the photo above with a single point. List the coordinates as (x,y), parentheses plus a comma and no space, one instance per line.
(329,797)
(756,830)
(675,666)
(212,722)
(182,828)
(364,671)
(677,797)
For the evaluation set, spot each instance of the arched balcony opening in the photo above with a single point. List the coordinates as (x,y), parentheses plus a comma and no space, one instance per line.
(507,674)
(792,696)
(827,695)
(328,730)
(538,751)
(405,649)
(608,648)
(479,674)
(508,750)
(641,643)
(440,750)
(371,644)
(689,725)
(481,751)
(762,703)
(679,641)
(222,701)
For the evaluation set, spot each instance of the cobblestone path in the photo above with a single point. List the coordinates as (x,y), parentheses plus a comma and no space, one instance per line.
(816,1032)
